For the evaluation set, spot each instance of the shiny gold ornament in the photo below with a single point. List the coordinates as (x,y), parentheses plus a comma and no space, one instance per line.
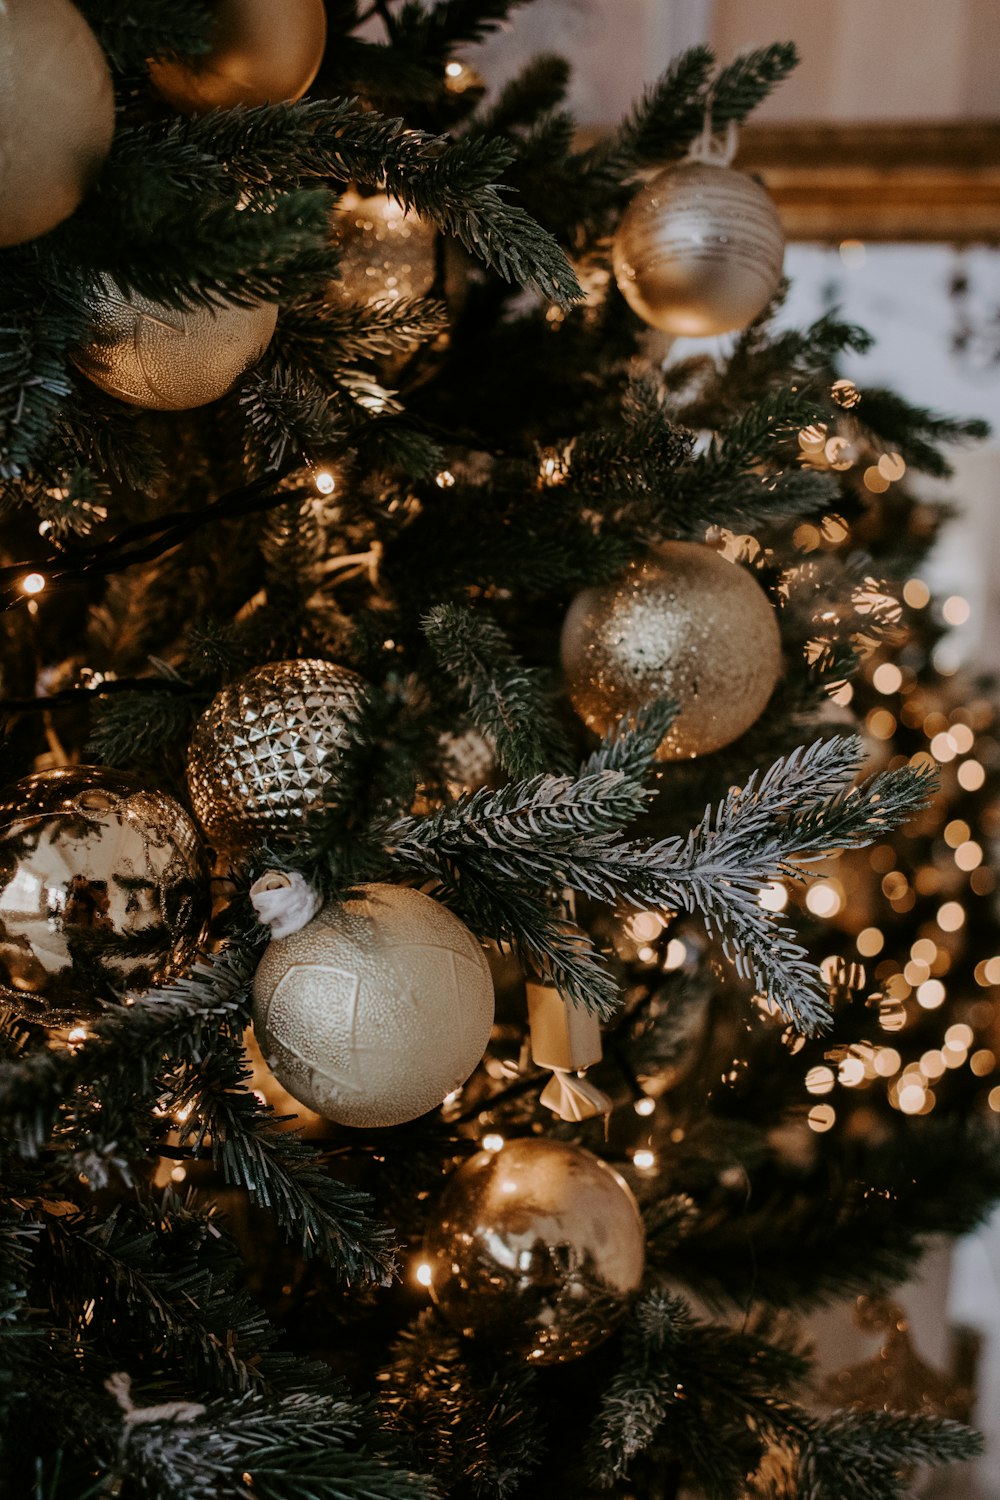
(537,1247)
(375,1010)
(685,624)
(385,252)
(699,250)
(103,889)
(263,52)
(267,747)
(154,356)
(57,115)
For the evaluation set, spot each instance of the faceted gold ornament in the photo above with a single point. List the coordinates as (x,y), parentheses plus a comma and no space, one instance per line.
(103,889)
(683,623)
(537,1247)
(166,360)
(57,115)
(267,746)
(699,250)
(263,52)
(375,1010)
(385,252)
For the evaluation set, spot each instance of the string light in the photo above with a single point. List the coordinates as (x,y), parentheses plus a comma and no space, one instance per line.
(956,610)
(33,583)
(887,678)
(645,1105)
(916,593)
(822,1117)
(444,480)
(423,1273)
(773,896)
(325,482)
(820,1080)
(493,1141)
(644,1159)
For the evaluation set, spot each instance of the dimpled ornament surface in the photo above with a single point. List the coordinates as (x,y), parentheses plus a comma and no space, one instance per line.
(537,1247)
(699,250)
(267,746)
(169,360)
(684,624)
(57,115)
(263,52)
(102,889)
(376,1009)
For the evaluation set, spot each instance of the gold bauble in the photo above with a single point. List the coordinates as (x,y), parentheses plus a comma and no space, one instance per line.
(57,115)
(385,252)
(683,623)
(154,356)
(263,52)
(267,747)
(375,1010)
(103,889)
(699,250)
(537,1247)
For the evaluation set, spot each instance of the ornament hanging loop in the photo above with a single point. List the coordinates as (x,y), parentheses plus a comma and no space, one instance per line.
(715,149)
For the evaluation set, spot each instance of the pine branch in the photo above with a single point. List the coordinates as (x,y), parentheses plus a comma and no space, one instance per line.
(873,1453)
(507,701)
(748,80)
(161,29)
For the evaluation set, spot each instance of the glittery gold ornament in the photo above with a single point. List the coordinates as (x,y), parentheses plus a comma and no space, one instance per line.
(684,623)
(267,747)
(103,889)
(385,252)
(57,115)
(699,250)
(537,1247)
(375,1010)
(263,52)
(154,356)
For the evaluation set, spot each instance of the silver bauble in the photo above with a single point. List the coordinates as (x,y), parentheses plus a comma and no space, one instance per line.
(537,1247)
(157,357)
(699,250)
(683,623)
(375,1010)
(267,747)
(103,889)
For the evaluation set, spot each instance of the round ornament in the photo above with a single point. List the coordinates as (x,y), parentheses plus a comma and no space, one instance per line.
(103,889)
(157,357)
(267,746)
(699,250)
(537,1247)
(263,52)
(375,1010)
(57,115)
(385,252)
(683,623)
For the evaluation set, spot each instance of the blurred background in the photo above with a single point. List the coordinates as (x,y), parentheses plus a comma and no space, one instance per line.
(883,155)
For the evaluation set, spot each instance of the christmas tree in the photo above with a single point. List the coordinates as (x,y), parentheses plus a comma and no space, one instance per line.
(402,655)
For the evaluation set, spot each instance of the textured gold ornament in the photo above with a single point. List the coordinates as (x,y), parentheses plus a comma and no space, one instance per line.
(895,1378)
(376,1009)
(267,746)
(57,115)
(699,250)
(103,888)
(537,1247)
(263,52)
(683,623)
(154,356)
(385,252)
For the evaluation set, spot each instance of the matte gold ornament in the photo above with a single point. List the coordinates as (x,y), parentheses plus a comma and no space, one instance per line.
(267,747)
(683,623)
(155,356)
(263,52)
(699,250)
(103,889)
(57,115)
(375,1010)
(385,252)
(537,1247)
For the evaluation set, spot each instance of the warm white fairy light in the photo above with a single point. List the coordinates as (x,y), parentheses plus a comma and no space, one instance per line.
(644,1159)
(493,1141)
(33,583)
(645,1105)
(325,482)
(423,1273)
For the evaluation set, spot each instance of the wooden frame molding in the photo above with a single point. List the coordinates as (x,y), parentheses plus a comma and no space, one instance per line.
(881,182)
